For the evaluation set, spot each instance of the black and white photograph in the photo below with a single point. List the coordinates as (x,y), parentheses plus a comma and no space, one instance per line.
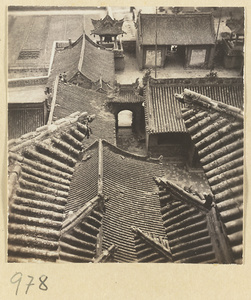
(125,134)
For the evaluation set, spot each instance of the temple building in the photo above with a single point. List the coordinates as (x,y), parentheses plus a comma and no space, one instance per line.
(84,63)
(81,63)
(166,132)
(75,194)
(70,202)
(28,108)
(182,39)
(109,30)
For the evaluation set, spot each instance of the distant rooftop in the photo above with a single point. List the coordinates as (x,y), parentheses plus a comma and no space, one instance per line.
(38,32)
(107,26)
(85,57)
(172,29)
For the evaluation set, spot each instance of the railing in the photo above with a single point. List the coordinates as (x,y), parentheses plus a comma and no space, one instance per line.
(112,45)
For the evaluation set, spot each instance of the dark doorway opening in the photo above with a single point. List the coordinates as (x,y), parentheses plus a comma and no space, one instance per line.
(175,56)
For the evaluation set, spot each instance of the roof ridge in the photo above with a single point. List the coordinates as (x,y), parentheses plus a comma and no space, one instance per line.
(203,81)
(81,58)
(129,154)
(80,214)
(82,61)
(159,244)
(184,195)
(28,138)
(54,99)
(74,43)
(189,96)
(186,14)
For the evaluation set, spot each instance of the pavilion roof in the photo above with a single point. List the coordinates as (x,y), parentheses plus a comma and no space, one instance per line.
(107,26)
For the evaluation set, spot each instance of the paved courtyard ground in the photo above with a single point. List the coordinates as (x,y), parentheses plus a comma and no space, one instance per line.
(132,72)
(130,141)
(174,168)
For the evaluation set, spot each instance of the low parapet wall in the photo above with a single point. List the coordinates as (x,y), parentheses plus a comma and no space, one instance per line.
(28,81)
(198,81)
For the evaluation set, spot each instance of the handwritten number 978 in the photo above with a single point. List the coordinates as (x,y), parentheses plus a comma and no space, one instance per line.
(18,276)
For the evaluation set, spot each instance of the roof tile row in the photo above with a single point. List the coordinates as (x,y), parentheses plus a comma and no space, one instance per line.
(221,153)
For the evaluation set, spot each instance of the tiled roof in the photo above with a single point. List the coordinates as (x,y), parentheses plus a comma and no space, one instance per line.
(66,60)
(87,169)
(86,57)
(193,230)
(184,223)
(57,193)
(128,97)
(79,242)
(38,32)
(151,248)
(58,212)
(218,137)
(128,182)
(131,200)
(97,63)
(107,26)
(41,165)
(127,93)
(163,112)
(52,219)
(72,98)
(181,29)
